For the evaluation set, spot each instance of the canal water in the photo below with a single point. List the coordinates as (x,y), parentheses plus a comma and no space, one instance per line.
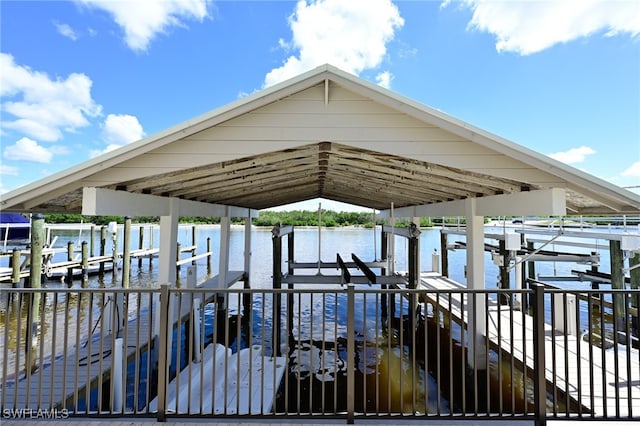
(388,360)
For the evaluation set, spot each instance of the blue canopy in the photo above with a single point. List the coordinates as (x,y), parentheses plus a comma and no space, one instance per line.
(14,232)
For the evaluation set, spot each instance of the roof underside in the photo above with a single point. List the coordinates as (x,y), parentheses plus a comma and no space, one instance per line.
(324,135)
(323,170)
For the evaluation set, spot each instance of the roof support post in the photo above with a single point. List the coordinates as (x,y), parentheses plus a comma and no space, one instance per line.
(168,244)
(225,228)
(418,267)
(476,307)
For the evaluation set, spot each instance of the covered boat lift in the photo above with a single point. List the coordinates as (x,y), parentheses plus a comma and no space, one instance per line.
(324,134)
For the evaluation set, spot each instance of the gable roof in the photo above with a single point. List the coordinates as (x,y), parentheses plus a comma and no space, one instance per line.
(329,134)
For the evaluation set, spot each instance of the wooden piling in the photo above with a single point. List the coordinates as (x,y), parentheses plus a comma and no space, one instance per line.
(140,244)
(126,253)
(178,254)
(194,243)
(504,271)
(444,253)
(594,268)
(524,303)
(35,281)
(85,265)
(103,244)
(290,253)
(15,268)
(531,272)
(114,237)
(150,246)
(92,240)
(70,250)
(617,282)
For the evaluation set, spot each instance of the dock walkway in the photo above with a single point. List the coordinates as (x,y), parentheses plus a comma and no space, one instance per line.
(95,264)
(68,377)
(604,381)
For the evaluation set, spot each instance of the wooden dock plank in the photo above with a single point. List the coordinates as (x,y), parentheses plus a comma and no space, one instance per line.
(585,372)
(64,380)
(67,374)
(87,362)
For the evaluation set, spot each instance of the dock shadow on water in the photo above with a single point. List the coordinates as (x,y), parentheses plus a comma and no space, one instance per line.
(502,388)
(401,366)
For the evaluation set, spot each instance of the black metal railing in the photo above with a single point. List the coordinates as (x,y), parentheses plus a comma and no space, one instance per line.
(345,351)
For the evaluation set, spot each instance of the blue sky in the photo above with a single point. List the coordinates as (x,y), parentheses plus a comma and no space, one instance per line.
(79,78)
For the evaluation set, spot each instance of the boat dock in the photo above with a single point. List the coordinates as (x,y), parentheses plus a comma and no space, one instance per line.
(82,361)
(80,266)
(589,375)
(329,135)
(87,357)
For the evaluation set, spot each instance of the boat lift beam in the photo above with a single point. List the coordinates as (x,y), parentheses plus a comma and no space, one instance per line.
(371,276)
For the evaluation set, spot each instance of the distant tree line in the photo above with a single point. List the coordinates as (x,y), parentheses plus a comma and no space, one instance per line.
(267,218)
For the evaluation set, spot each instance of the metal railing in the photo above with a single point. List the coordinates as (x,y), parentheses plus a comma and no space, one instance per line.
(346,352)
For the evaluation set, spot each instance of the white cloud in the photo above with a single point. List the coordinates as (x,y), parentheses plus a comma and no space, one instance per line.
(27,149)
(119,130)
(96,152)
(59,149)
(8,170)
(384,79)
(351,35)
(43,107)
(527,27)
(574,155)
(66,31)
(633,170)
(141,21)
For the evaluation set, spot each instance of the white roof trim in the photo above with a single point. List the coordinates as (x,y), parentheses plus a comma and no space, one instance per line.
(107,202)
(546,202)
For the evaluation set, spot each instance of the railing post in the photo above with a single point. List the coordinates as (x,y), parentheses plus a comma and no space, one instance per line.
(540,381)
(277,284)
(350,353)
(163,352)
